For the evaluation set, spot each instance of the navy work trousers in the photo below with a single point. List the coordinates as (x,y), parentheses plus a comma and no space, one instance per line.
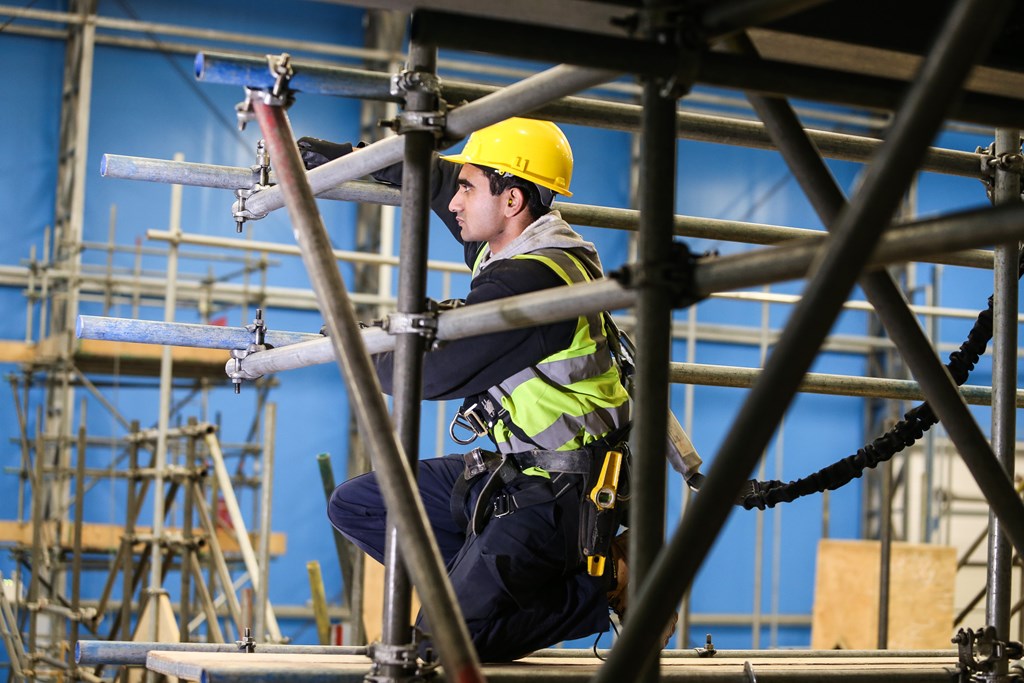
(512,582)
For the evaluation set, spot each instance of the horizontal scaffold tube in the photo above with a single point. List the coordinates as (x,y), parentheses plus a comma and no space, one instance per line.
(214,67)
(179,334)
(131,653)
(821,383)
(789,261)
(227,177)
(243,668)
(524,95)
(294,350)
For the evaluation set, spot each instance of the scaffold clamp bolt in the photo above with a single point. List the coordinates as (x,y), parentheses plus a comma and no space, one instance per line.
(424,324)
(258,330)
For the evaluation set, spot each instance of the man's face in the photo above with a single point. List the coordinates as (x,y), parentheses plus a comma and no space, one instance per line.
(479,213)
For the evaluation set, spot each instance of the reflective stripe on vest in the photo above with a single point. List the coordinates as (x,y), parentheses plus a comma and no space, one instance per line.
(573,396)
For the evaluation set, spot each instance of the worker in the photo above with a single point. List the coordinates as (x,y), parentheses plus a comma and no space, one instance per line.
(508,519)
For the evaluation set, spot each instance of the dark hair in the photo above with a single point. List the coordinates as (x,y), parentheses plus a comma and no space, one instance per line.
(500,182)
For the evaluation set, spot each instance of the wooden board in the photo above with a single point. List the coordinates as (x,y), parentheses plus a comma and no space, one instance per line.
(846,594)
(107,537)
(373,599)
(108,357)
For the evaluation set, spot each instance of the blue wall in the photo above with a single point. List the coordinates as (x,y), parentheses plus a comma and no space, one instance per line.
(145,104)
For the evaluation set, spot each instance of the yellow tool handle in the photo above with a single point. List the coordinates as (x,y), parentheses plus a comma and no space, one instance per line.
(604,491)
(603,496)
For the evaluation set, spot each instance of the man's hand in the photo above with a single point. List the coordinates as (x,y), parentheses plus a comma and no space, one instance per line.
(316,152)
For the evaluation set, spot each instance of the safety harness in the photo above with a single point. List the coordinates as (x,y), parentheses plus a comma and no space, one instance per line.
(505,471)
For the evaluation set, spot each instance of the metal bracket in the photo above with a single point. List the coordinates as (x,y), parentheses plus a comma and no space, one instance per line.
(243,110)
(675,274)
(258,331)
(403,657)
(709,649)
(980,652)
(991,163)
(247,644)
(423,324)
(421,82)
(260,180)
(425,111)
(670,25)
(418,121)
(280,67)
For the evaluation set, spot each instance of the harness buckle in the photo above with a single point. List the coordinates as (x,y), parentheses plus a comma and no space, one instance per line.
(503,504)
(471,421)
(475,463)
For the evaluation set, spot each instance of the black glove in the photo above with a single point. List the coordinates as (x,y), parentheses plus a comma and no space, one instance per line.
(316,152)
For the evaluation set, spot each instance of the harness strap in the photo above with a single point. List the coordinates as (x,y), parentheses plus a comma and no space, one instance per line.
(478,416)
(506,469)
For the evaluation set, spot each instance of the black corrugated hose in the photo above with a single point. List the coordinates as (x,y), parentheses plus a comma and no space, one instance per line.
(767,494)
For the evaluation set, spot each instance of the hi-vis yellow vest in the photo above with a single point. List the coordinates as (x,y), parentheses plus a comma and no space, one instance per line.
(570,398)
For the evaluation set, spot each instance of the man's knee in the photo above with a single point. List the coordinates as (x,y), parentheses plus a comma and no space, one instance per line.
(354,501)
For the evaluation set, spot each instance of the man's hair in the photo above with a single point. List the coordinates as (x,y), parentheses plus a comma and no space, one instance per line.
(499,182)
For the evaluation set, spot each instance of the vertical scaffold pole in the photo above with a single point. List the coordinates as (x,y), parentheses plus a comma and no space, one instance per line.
(966,33)
(409,347)
(423,560)
(657,182)
(1004,381)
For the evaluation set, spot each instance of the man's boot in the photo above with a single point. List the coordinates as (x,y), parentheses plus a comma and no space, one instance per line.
(618,594)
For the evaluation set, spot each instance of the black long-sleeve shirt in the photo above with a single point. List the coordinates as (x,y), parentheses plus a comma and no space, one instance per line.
(470,366)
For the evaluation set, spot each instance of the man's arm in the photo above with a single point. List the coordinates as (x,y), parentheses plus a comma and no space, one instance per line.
(444,179)
(465,367)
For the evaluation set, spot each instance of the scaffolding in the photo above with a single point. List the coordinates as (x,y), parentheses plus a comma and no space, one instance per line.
(831,265)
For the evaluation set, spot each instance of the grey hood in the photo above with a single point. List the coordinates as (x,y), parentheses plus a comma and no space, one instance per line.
(547,232)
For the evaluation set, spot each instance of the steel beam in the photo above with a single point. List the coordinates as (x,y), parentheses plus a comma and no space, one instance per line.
(769,77)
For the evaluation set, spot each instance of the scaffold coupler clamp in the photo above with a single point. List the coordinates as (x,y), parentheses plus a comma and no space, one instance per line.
(423,324)
(669,24)
(676,273)
(981,652)
(277,95)
(258,333)
(404,658)
(991,163)
(424,111)
(260,180)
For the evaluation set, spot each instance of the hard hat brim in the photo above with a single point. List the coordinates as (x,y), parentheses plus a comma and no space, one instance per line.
(463,159)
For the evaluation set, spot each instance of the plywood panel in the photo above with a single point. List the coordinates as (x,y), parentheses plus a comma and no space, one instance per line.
(846,596)
(373,599)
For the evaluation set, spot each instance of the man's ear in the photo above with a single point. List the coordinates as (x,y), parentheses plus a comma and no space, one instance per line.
(516,202)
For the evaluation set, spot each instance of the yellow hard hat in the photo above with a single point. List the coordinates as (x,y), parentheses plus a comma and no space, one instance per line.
(532,150)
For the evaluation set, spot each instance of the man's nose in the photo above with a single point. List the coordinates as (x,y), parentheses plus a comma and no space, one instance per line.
(453,204)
